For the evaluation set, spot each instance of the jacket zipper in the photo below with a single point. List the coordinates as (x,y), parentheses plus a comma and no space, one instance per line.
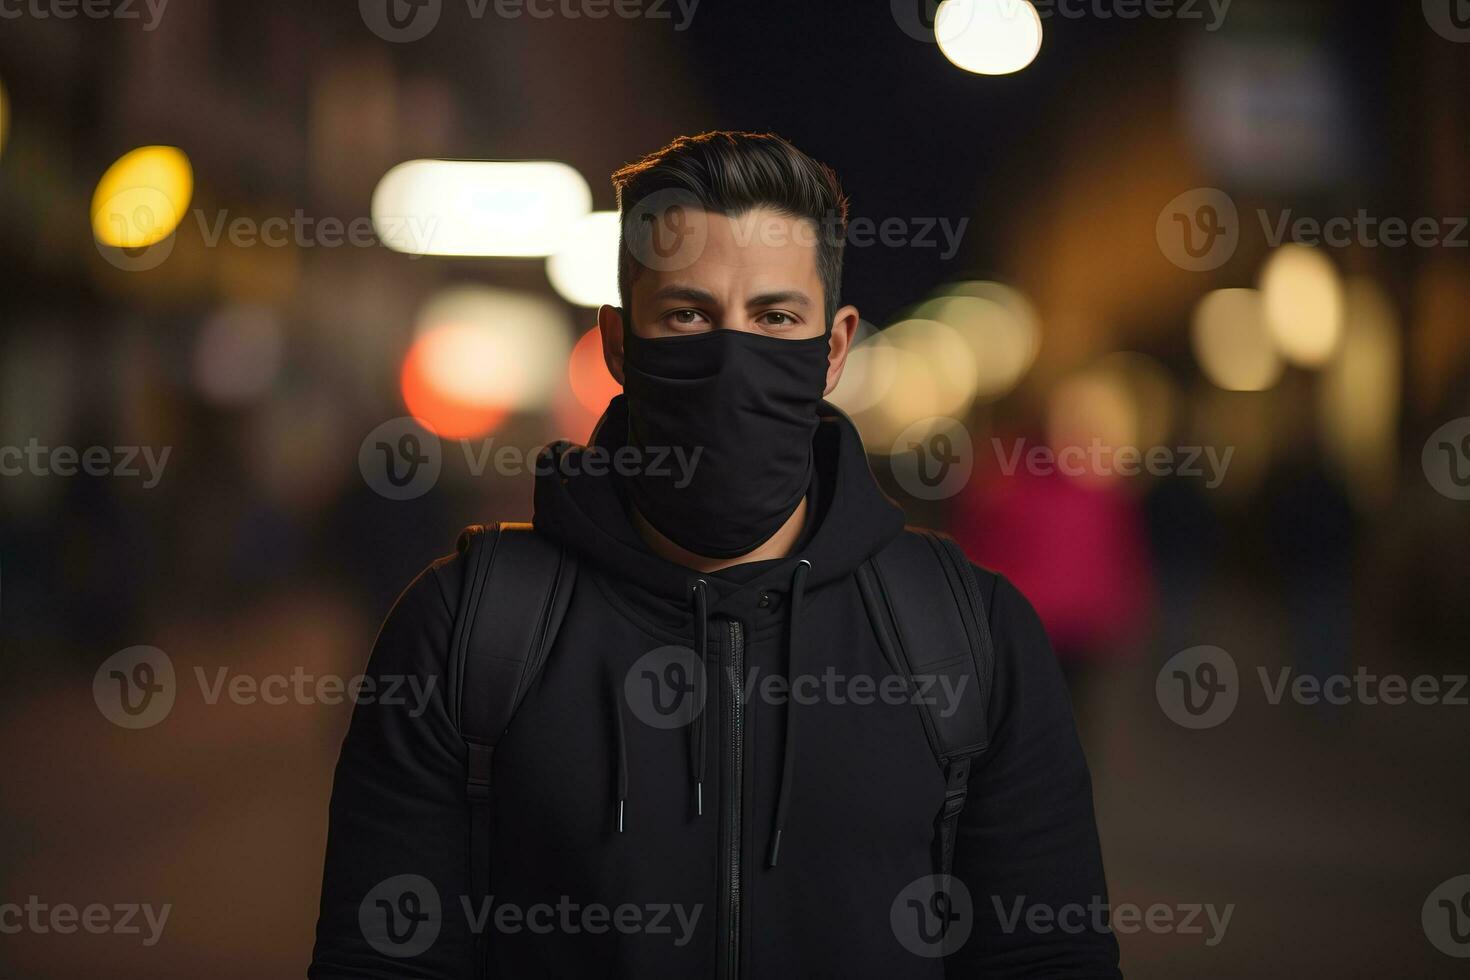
(729,966)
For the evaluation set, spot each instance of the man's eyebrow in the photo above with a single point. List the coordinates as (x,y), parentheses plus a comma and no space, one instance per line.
(691,294)
(788,297)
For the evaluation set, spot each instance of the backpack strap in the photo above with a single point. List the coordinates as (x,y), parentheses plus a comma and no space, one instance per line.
(517,585)
(930,620)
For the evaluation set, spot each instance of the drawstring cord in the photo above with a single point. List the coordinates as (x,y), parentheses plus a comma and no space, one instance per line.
(697,737)
(697,728)
(697,705)
(788,752)
(622,756)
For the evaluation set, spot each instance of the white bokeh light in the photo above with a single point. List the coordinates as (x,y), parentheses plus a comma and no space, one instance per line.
(988,37)
(584,270)
(479,207)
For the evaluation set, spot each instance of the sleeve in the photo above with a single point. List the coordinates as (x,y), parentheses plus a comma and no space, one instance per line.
(396,871)
(1027,848)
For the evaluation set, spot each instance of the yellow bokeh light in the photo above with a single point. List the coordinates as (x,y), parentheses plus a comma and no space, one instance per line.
(1000,325)
(899,392)
(868,374)
(1152,390)
(142,197)
(949,371)
(1231,341)
(911,398)
(1093,406)
(1303,304)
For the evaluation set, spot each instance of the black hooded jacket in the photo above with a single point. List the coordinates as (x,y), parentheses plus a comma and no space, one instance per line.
(623,849)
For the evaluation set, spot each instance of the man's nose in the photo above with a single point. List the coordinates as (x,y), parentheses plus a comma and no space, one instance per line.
(734,323)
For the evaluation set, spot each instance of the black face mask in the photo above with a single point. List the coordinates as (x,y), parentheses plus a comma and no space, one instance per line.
(747,405)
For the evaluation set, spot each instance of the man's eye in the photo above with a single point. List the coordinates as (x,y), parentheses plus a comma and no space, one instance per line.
(686,317)
(776,318)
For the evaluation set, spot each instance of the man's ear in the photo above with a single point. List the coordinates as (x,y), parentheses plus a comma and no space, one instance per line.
(610,325)
(844,326)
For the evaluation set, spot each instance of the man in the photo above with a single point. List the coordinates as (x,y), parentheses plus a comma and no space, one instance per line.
(709,773)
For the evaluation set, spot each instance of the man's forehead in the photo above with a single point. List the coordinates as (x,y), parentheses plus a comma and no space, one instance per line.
(762,226)
(763,238)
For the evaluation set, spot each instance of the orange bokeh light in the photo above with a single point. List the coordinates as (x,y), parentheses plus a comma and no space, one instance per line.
(591,382)
(438,411)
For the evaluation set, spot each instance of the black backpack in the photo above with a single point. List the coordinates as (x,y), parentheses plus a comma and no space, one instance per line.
(920,592)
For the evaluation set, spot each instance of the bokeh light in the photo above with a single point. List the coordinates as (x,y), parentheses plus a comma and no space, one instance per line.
(1000,325)
(1093,406)
(592,384)
(430,384)
(1231,341)
(479,354)
(584,270)
(1152,391)
(479,207)
(1304,520)
(974,340)
(868,373)
(988,37)
(948,363)
(1303,304)
(142,197)
(910,396)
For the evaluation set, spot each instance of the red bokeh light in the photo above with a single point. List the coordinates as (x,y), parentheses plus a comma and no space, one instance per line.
(438,411)
(591,382)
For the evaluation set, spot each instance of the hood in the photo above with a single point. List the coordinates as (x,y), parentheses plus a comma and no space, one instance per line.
(586,512)
(588,515)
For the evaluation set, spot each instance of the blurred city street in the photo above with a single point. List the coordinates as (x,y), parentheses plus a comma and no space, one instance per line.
(1164,317)
(1312,826)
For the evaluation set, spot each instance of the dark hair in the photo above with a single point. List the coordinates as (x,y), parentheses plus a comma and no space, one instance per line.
(731,173)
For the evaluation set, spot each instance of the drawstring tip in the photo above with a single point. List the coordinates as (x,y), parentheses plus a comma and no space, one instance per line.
(620,816)
(775,850)
(699,799)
